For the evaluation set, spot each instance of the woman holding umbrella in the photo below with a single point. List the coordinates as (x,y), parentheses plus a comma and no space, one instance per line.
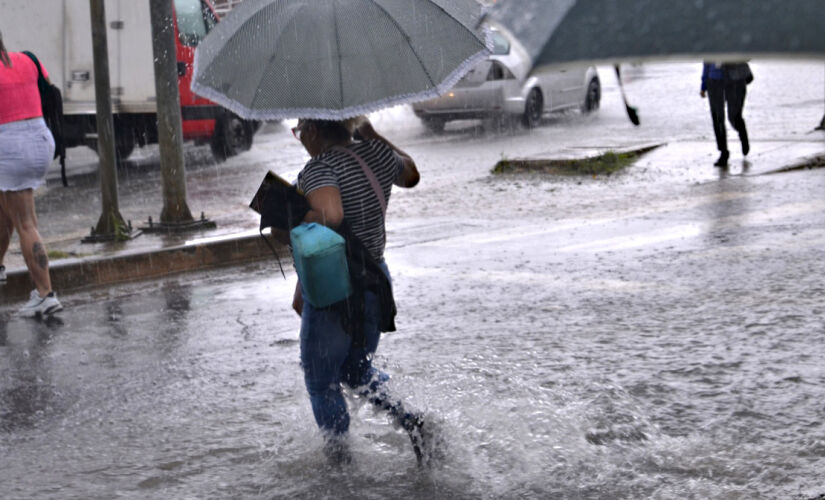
(351,198)
(328,62)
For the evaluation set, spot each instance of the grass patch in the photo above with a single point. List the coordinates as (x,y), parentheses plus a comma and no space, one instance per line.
(815,162)
(60,254)
(605,164)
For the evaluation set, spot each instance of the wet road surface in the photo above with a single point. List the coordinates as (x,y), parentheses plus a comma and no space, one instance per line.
(657,333)
(663,344)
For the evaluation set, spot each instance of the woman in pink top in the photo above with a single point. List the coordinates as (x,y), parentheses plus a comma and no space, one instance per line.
(26,151)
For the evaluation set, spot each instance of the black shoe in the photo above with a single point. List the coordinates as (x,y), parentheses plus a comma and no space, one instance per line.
(426,441)
(723,160)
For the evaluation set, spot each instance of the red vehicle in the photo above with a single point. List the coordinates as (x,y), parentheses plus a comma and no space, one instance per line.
(204,121)
(61,38)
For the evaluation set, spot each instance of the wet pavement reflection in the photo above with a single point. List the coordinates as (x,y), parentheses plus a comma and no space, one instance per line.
(28,394)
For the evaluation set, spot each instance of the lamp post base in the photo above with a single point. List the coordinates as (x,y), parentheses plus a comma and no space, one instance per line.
(178,227)
(121,233)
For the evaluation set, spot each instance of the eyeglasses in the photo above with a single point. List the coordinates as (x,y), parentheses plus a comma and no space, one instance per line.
(296,130)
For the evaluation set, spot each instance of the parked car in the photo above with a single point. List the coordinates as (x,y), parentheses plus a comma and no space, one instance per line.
(502,86)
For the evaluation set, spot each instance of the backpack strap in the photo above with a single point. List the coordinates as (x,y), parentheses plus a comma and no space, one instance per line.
(40,77)
(57,132)
(376,186)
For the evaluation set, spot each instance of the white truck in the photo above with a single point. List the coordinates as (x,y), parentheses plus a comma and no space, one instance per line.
(58,32)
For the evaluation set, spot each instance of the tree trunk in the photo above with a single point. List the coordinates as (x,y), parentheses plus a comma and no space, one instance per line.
(110,219)
(170,130)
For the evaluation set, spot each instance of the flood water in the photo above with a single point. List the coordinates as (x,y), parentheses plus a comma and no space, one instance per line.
(560,359)
(656,334)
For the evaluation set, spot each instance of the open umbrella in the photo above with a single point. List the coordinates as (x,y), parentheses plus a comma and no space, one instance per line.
(562,31)
(334,59)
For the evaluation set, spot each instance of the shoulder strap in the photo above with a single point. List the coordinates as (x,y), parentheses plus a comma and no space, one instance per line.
(40,76)
(376,186)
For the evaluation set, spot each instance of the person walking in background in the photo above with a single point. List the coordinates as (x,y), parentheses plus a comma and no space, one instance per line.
(26,151)
(727,83)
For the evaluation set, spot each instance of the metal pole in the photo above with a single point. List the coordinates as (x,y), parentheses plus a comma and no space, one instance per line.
(170,130)
(111,222)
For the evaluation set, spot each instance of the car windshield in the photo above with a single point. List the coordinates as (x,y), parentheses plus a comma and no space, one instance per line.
(501,47)
(195,20)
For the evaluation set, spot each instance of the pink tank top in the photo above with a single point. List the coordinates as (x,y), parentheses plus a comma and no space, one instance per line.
(19,97)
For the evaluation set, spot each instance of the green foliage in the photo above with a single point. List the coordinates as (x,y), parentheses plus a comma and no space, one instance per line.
(60,254)
(607,163)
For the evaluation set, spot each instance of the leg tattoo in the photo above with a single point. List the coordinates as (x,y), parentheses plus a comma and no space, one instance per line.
(40,255)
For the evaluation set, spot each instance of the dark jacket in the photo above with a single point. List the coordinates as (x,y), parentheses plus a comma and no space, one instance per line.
(711,72)
(365,275)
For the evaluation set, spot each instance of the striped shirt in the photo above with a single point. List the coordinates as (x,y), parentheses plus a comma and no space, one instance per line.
(361,206)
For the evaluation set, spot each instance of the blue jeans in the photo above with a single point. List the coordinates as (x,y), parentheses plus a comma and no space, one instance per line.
(329,358)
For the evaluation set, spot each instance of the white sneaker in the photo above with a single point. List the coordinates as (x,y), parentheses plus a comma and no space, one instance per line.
(2,274)
(40,306)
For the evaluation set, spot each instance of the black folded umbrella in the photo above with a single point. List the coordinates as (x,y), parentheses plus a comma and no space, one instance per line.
(280,204)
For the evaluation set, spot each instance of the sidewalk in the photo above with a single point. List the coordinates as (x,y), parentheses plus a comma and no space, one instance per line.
(236,240)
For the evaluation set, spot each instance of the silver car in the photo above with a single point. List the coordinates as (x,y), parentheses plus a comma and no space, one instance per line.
(501,87)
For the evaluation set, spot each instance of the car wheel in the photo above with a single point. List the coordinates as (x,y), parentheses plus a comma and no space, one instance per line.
(434,125)
(593,97)
(533,109)
(233,136)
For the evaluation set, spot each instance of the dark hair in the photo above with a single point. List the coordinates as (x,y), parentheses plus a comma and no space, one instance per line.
(330,129)
(4,55)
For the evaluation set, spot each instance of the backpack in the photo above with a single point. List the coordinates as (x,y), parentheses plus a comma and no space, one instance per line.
(738,72)
(51,102)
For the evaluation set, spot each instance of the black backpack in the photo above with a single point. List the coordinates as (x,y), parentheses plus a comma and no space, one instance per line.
(51,102)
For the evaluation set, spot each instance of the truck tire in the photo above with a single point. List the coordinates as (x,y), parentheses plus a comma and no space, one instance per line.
(125,143)
(434,125)
(233,136)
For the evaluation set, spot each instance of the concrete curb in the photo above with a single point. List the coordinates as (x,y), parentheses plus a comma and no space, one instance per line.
(75,274)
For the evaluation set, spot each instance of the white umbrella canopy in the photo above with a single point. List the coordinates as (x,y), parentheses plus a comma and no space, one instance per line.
(335,59)
(565,31)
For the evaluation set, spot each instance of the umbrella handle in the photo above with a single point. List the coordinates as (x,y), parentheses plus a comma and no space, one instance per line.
(632,113)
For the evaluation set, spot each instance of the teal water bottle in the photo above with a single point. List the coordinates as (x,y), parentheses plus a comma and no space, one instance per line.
(321,261)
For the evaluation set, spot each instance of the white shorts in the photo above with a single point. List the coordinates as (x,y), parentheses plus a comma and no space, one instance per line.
(26,151)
